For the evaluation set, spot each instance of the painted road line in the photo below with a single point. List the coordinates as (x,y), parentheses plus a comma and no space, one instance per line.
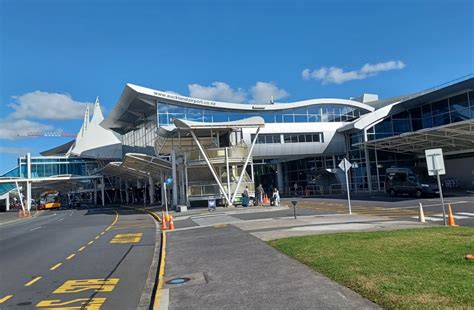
(102,233)
(127,238)
(97,237)
(161,274)
(61,219)
(36,228)
(90,242)
(79,303)
(33,281)
(81,248)
(70,256)
(465,213)
(55,266)
(2,300)
(97,285)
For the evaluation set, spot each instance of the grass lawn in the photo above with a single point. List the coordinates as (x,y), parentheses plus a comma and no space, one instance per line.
(415,268)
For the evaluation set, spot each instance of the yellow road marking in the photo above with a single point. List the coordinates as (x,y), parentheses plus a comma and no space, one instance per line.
(161,274)
(71,256)
(127,238)
(33,281)
(107,229)
(97,237)
(79,303)
(90,242)
(55,266)
(102,233)
(2,300)
(81,248)
(98,285)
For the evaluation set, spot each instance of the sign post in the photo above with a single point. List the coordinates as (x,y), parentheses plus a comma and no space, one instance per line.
(345,165)
(294,203)
(435,163)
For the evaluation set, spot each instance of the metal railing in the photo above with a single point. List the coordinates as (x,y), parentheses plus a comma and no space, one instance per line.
(235,153)
(212,189)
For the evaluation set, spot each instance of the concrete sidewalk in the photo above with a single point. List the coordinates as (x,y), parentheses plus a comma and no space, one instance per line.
(232,269)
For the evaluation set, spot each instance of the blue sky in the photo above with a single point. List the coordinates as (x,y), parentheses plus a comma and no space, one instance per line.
(56,56)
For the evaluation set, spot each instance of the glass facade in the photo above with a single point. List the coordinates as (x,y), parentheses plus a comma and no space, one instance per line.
(317,113)
(50,166)
(441,112)
(142,138)
(289,138)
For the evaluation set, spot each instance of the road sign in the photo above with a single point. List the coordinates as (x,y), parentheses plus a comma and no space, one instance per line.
(345,165)
(435,161)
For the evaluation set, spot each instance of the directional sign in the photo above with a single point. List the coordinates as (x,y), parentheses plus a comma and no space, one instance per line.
(435,161)
(345,165)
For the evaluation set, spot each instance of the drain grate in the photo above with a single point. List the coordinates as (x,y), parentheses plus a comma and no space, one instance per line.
(176,281)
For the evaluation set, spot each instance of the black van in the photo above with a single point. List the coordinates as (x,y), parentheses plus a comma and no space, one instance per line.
(404,181)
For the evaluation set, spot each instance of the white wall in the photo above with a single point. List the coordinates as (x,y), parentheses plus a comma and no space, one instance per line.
(333,142)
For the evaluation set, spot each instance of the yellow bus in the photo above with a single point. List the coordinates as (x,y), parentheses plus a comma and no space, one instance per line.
(50,200)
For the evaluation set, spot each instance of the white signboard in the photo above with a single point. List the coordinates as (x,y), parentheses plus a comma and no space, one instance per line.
(435,161)
(345,165)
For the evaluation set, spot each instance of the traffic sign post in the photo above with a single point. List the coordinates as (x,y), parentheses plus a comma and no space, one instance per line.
(294,203)
(166,199)
(435,163)
(345,165)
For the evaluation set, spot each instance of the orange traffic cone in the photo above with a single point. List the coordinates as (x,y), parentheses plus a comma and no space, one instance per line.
(163,222)
(451,217)
(266,200)
(171,223)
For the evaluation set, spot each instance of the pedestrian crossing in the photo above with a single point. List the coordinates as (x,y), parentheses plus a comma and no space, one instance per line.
(389,213)
(457,216)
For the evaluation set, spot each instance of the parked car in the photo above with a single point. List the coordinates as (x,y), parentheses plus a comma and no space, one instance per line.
(404,181)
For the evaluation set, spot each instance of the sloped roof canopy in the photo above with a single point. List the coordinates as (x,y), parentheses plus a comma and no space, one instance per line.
(453,137)
(137,166)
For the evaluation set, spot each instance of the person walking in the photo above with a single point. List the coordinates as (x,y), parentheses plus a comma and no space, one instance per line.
(245,197)
(276,197)
(260,192)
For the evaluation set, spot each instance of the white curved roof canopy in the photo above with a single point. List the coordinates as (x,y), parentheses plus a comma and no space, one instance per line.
(137,102)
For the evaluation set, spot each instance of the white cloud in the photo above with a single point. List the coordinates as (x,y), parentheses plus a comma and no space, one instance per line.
(14,150)
(44,105)
(338,75)
(262,92)
(11,128)
(219,91)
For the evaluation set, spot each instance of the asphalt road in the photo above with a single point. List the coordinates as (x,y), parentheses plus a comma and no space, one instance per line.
(72,258)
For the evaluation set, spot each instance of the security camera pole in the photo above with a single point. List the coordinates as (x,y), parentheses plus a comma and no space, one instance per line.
(345,165)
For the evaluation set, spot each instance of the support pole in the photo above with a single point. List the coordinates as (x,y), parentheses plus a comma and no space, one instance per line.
(20,196)
(175,181)
(28,183)
(186,178)
(102,183)
(229,190)
(163,195)
(95,192)
(211,168)
(151,189)
(126,192)
(245,165)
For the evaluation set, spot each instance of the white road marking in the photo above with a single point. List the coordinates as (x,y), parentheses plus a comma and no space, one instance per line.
(36,228)
(61,219)
(466,213)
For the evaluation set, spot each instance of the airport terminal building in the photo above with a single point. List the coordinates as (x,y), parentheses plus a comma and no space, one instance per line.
(301,143)
(206,149)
